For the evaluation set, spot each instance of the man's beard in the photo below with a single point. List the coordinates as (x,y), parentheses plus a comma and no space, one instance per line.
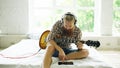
(67,32)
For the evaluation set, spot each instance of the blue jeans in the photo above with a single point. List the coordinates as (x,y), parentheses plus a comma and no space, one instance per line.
(66,50)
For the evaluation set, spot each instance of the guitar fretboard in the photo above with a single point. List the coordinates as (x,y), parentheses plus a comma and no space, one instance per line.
(88,42)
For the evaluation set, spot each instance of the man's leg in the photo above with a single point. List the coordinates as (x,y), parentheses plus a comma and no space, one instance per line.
(48,56)
(78,55)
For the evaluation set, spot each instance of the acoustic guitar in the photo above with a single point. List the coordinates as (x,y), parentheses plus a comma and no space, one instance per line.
(42,41)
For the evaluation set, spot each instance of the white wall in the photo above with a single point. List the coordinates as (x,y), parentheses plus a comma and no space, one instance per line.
(14,16)
(103,17)
(13,21)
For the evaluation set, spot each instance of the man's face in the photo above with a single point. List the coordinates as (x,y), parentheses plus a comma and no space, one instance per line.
(69,25)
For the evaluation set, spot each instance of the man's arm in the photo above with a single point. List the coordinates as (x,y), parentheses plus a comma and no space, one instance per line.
(78,38)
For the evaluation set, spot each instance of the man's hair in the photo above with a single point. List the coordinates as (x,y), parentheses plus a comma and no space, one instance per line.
(69,17)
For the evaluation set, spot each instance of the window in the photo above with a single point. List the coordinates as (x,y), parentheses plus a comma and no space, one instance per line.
(44,13)
(116,17)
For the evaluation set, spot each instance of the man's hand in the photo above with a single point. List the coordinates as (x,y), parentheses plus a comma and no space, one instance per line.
(62,55)
(79,45)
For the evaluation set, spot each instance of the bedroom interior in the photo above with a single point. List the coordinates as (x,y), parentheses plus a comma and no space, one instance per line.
(15,16)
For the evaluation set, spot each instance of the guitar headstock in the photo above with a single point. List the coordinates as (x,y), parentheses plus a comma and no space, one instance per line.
(92,43)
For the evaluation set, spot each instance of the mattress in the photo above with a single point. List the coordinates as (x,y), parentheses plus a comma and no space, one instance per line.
(25,55)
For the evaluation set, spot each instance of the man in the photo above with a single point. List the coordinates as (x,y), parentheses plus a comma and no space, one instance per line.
(63,33)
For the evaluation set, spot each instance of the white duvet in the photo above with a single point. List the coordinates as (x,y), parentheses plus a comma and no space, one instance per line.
(21,55)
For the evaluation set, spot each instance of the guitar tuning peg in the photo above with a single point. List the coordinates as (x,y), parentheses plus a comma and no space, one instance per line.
(88,43)
(98,44)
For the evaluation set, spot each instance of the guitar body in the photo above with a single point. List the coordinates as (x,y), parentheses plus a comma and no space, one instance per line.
(42,41)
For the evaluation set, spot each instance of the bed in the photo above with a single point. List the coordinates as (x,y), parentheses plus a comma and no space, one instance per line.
(25,55)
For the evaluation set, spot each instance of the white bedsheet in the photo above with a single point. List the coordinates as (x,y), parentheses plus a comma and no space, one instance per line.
(28,47)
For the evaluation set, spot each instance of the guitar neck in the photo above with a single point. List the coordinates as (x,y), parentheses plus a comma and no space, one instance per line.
(88,42)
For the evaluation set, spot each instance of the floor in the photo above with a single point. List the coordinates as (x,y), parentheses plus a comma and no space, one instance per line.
(112,58)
